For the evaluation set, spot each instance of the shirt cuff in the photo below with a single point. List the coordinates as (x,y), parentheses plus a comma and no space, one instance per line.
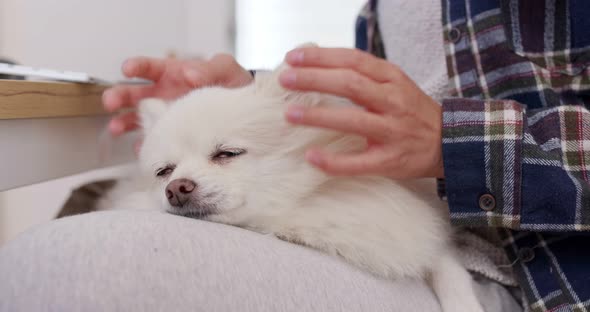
(482,142)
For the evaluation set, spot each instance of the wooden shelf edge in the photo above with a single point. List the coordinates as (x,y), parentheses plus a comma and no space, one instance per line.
(31,99)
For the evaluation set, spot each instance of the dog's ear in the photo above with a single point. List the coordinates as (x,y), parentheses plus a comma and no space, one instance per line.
(150,110)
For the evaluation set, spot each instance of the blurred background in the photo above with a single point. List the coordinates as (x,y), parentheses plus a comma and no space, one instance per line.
(97,36)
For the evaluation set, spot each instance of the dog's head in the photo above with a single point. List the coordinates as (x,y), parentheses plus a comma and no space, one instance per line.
(228,155)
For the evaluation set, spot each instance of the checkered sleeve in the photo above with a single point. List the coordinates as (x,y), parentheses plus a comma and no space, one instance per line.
(506,166)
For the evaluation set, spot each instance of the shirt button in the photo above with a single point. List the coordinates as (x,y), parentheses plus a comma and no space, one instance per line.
(578,70)
(487,202)
(454,35)
(526,255)
(574,71)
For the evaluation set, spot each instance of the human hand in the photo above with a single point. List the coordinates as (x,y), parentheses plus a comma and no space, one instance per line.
(402,124)
(172,78)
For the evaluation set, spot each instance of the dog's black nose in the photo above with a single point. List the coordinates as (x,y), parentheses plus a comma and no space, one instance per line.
(179,191)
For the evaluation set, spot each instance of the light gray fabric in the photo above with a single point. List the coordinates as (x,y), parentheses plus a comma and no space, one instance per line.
(149,261)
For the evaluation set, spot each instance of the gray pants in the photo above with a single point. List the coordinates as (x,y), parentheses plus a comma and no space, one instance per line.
(150,261)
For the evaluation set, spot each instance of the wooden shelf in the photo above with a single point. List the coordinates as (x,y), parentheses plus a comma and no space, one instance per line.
(27,99)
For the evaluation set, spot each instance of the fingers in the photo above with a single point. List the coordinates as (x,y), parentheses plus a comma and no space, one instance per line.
(119,97)
(123,123)
(364,63)
(341,82)
(349,120)
(154,69)
(144,67)
(365,163)
(193,76)
(223,69)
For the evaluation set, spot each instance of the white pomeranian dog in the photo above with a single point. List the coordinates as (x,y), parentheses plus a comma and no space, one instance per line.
(229,156)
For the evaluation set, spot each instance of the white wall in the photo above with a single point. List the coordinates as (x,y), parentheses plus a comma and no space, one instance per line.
(95,37)
(267,29)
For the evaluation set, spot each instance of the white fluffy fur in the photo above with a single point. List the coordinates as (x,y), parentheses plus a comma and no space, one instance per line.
(392,229)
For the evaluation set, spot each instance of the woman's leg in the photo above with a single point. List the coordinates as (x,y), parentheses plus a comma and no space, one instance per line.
(148,261)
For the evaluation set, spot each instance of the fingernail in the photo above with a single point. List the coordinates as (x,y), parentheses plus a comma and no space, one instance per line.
(294,57)
(288,78)
(295,113)
(313,157)
(116,127)
(193,76)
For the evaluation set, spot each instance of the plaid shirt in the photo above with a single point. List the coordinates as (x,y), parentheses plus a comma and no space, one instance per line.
(516,135)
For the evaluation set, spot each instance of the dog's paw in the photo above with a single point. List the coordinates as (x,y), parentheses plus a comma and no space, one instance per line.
(291,237)
(309,240)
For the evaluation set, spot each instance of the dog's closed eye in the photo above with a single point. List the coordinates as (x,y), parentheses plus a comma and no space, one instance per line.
(165,171)
(223,155)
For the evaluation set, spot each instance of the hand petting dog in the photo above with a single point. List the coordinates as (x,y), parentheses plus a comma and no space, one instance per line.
(171,78)
(402,124)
